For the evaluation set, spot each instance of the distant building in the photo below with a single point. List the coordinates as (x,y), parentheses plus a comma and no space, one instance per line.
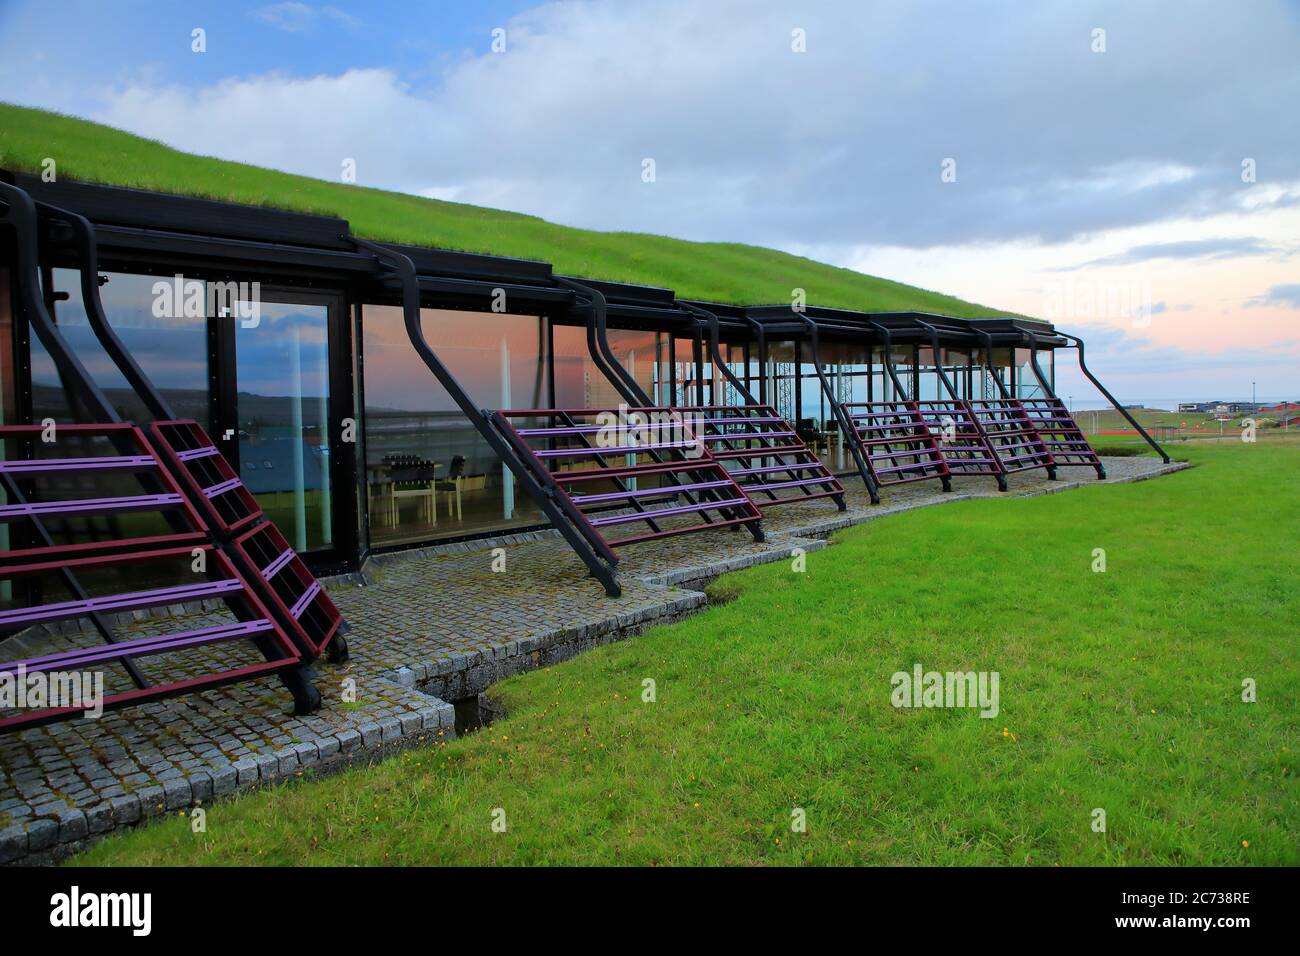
(1219,408)
(1288,409)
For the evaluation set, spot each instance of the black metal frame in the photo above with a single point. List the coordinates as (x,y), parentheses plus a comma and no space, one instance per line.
(157,234)
(847,431)
(599,559)
(1005,393)
(1000,472)
(902,392)
(24,216)
(87,255)
(987,338)
(708,321)
(81,235)
(1047,388)
(223,397)
(593,301)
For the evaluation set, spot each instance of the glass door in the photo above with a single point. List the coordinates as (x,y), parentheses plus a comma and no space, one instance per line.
(274,413)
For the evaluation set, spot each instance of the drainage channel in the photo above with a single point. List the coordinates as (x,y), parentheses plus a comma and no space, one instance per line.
(475,712)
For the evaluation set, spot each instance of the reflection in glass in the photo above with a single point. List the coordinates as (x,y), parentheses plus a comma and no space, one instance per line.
(429,474)
(172,349)
(580,384)
(282,369)
(1027,383)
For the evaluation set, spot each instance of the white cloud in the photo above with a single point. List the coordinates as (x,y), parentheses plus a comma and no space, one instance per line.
(1124,161)
(841,144)
(293,17)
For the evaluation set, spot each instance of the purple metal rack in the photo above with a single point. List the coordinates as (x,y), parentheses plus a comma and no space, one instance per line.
(57,551)
(1011,435)
(896,443)
(1060,434)
(221,581)
(231,507)
(291,587)
(610,483)
(962,442)
(762,452)
(26,472)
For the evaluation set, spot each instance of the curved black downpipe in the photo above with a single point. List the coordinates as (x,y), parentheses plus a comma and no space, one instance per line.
(847,431)
(938,359)
(988,363)
(887,338)
(83,236)
(561,512)
(710,321)
(598,344)
(1083,367)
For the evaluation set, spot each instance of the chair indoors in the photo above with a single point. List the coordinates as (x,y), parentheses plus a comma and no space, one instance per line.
(452,486)
(410,476)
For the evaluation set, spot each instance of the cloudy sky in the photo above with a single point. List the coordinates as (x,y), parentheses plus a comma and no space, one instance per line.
(1129,170)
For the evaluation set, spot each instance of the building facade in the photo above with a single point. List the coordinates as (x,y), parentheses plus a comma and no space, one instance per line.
(287,340)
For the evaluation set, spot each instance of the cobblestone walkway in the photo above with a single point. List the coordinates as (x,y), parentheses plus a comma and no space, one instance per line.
(428,627)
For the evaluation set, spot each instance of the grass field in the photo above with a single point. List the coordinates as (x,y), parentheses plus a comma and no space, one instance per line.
(1119,690)
(1193,424)
(722,272)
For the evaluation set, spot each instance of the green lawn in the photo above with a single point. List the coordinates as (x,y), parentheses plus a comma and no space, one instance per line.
(1119,691)
(721,272)
(1195,424)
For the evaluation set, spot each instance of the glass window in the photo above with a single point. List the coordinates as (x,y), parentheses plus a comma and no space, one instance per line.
(986,386)
(928,386)
(282,402)
(688,392)
(781,374)
(580,384)
(957,363)
(1027,383)
(170,346)
(429,473)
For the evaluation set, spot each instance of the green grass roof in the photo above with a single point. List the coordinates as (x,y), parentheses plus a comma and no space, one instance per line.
(716,271)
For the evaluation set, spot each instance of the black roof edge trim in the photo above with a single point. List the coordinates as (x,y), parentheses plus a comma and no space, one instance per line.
(131,221)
